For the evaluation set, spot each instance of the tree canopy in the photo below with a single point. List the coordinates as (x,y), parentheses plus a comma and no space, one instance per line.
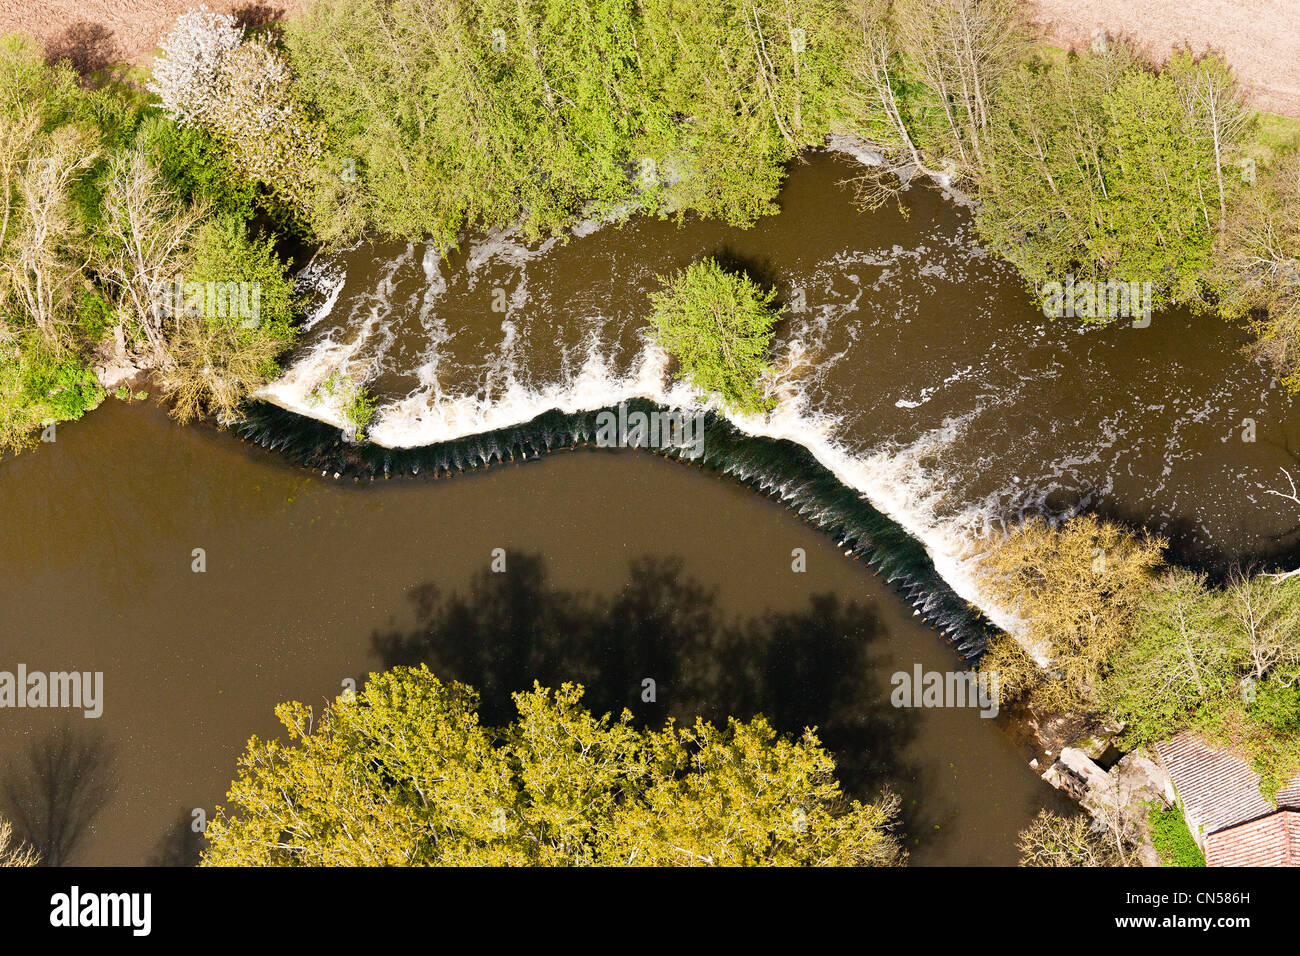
(403,773)
(717,325)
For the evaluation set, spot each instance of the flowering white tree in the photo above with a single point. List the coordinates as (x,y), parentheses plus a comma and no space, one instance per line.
(187,75)
(239,89)
(259,115)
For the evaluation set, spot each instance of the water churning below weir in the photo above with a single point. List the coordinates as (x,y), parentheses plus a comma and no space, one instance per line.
(911,365)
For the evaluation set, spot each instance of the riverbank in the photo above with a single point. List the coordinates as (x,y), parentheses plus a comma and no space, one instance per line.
(1261,38)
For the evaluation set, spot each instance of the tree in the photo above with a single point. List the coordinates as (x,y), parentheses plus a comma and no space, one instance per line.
(43,268)
(1264,613)
(227,337)
(270,134)
(962,50)
(142,247)
(24,88)
(1257,266)
(1018,675)
(40,385)
(1216,108)
(1078,588)
(187,75)
(12,852)
(1056,840)
(875,102)
(1180,657)
(1095,168)
(211,76)
(404,774)
(717,325)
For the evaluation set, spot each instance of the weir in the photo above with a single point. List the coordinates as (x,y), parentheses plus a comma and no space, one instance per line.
(923,399)
(779,469)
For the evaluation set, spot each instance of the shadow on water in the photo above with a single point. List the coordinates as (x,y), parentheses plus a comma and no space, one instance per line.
(53,792)
(181,845)
(808,668)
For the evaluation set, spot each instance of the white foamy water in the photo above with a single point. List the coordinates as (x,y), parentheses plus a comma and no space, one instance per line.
(912,365)
(904,482)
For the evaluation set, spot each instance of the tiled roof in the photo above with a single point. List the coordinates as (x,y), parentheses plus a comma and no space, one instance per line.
(1218,790)
(1273,840)
(1289,796)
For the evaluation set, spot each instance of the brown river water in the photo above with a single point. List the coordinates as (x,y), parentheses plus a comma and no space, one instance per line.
(913,365)
(921,392)
(308,581)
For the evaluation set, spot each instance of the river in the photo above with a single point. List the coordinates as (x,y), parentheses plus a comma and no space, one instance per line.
(925,401)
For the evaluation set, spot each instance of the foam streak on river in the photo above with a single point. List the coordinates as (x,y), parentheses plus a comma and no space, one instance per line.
(912,364)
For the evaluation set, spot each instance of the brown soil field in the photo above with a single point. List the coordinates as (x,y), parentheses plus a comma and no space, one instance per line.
(1260,38)
(94,33)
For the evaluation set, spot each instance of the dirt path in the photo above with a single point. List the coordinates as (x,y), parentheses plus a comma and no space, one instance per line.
(1260,38)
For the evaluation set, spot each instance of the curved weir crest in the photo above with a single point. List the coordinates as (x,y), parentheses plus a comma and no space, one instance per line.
(923,398)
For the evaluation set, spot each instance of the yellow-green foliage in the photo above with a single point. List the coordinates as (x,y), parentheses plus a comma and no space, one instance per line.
(454,114)
(1079,589)
(403,774)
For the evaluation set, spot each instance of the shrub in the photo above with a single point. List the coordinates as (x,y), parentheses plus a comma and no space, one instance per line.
(39,387)
(717,325)
(1172,840)
(1277,707)
(351,400)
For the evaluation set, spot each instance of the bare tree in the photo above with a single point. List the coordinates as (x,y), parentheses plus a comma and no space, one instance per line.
(876,113)
(962,50)
(14,852)
(146,229)
(1258,266)
(42,269)
(1056,840)
(1215,106)
(1265,609)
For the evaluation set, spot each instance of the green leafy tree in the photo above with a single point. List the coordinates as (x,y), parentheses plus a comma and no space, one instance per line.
(403,774)
(196,166)
(442,115)
(1180,656)
(718,326)
(1102,168)
(39,387)
(227,341)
